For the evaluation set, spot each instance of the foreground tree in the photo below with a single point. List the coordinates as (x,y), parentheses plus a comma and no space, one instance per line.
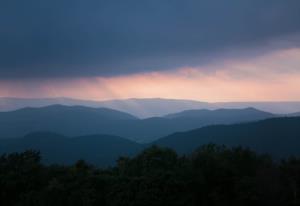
(212,175)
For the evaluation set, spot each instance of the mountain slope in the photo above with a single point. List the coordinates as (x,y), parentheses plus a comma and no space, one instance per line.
(193,119)
(297,114)
(78,120)
(70,111)
(278,136)
(68,120)
(222,115)
(102,150)
(143,108)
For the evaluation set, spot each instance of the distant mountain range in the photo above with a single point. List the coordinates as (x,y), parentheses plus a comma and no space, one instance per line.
(79,120)
(143,108)
(279,137)
(152,107)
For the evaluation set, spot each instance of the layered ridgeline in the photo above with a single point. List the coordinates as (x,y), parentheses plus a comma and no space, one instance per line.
(279,137)
(150,107)
(66,120)
(143,108)
(78,120)
(297,114)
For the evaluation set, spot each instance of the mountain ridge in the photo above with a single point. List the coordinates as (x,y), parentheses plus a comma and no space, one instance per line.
(223,112)
(279,136)
(149,107)
(78,120)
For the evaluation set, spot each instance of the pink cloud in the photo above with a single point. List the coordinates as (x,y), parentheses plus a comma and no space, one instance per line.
(273,76)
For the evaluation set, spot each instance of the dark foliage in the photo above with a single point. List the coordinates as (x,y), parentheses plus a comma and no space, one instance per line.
(211,175)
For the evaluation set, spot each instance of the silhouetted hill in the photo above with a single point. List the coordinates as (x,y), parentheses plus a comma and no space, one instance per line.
(102,150)
(278,136)
(67,120)
(193,119)
(69,111)
(78,120)
(297,114)
(143,108)
(222,115)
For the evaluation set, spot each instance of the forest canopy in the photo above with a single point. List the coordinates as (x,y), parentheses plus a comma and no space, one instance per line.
(211,175)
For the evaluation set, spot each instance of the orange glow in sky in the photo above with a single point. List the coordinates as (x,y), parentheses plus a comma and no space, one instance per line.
(272,77)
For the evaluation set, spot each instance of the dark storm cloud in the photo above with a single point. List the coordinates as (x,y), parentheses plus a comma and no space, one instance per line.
(52,38)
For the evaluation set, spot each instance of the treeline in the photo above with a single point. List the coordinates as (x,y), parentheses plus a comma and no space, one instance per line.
(212,175)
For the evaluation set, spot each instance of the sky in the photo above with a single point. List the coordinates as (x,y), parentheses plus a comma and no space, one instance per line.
(207,50)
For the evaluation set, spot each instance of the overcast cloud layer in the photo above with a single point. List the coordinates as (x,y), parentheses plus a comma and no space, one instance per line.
(81,38)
